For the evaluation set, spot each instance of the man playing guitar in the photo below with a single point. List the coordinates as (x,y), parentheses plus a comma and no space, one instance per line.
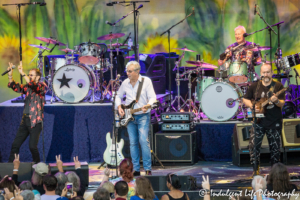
(139,128)
(271,124)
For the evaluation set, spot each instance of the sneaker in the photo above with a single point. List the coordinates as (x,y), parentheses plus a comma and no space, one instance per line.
(148,173)
(136,173)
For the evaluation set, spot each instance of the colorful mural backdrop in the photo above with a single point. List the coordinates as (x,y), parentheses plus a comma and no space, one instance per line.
(209,32)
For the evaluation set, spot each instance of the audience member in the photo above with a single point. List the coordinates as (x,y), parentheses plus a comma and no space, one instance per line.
(126,173)
(49,184)
(62,179)
(174,186)
(27,195)
(143,189)
(8,183)
(121,190)
(109,187)
(26,185)
(101,194)
(279,180)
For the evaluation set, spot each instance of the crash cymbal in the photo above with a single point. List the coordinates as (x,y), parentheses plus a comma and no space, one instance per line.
(111,36)
(117,45)
(184,49)
(259,48)
(202,64)
(66,50)
(39,46)
(50,40)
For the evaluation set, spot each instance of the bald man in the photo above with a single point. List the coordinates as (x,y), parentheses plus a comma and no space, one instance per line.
(238,54)
(271,124)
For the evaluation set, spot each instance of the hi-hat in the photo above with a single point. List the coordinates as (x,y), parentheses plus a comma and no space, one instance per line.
(66,50)
(111,36)
(202,64)
(184,49)
(39,46)
(50,40)
(117,45)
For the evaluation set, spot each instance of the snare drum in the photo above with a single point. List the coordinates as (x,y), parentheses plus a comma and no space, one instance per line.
(219,101)
(58,63)
(201,85)
(73,83)
(102,65)
(89,53)
(238,72)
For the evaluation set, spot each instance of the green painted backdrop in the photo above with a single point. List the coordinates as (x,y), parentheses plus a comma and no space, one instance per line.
(208,32)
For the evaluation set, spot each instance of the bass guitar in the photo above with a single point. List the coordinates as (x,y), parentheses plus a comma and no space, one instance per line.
(109,155)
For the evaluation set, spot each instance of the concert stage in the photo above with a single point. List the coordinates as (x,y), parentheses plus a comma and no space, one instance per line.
(80,129)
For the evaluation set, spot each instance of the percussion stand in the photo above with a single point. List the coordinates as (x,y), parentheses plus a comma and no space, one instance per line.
(189,102)
(200,79)
(111,82)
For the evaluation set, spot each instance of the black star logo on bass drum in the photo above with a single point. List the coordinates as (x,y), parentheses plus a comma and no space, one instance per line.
(64,81)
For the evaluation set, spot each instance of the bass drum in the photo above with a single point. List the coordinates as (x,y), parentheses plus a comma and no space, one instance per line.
(73,83)
(219,101)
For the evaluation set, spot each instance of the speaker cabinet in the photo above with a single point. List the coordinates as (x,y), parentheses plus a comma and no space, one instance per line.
(240,150)
(159,84)
(24,173)
(71,167)
(176,147)
(291,142)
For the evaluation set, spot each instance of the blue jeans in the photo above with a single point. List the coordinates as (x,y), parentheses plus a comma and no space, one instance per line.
(138,131)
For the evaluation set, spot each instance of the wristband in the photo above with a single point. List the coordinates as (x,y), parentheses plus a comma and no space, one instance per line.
(9,76)
(15,170)
(78,168)
(12,198)
(23,75)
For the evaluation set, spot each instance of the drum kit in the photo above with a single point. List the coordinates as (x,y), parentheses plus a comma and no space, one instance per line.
(71,80)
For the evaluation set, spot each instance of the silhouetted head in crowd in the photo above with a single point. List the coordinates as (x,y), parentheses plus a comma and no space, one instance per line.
(109,187)
(25,185)
(121,189)
(77,198)
(126,169)
(40,170)
(279,178)
(173,181)
(61,182)
(7,182)
(50,183)
(143,188)
(27,195)
(101,194)
(73,178)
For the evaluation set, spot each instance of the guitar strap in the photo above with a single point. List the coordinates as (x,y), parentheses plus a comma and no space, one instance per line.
(271,89)
(138,94)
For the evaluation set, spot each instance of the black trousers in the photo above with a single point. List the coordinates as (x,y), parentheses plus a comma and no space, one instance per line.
(24,131)
(274,139)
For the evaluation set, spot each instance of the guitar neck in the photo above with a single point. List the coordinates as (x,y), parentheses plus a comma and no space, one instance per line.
(138,109)
(277,94)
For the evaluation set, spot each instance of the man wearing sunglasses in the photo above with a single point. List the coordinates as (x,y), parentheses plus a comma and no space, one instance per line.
(138,129)
(31,124)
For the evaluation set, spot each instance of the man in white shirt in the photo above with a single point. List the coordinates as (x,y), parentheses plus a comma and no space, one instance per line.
(139,128)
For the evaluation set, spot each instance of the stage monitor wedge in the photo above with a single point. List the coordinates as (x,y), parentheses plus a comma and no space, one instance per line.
(289,135)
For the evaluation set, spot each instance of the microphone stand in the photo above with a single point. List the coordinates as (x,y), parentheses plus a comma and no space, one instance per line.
(21,99)
(169,70)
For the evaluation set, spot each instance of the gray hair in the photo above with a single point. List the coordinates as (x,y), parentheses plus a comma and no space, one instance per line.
(101,194)
(240,27)
(136,65)
(25,185)
(108,186)
(263,182)
(27,195)
(73,178)
(61,182)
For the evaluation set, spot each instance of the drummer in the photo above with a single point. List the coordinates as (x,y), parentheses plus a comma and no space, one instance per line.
(241,53)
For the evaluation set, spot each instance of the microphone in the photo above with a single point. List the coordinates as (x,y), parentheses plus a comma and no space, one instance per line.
(262,77)
(246,34)
(111,24)
(127,38)
(53,47)
(296,72)
(140,6)
(112,3)
(255,10)
(8,70)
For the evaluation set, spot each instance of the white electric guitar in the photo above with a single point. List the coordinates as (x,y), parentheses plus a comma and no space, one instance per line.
(109,155)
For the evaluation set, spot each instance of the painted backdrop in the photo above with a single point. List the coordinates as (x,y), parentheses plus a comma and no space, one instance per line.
(208,32)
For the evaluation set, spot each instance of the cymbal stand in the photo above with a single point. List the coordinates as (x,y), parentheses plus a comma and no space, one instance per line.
(189,102)
(111,81)
(178,97)
(200,79)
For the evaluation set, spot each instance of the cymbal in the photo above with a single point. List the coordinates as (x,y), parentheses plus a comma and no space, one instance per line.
(184,49)
(39,46)
(67,50)
(267,62)
(202,64)
(50,40)
(117,45)
(259,48)
(111,36)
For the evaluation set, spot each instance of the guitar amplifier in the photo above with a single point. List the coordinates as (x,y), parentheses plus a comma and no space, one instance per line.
(177,127)
(177,117)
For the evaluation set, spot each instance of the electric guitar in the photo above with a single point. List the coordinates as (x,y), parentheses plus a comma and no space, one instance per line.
(129,110)
(109,155)
(265,101)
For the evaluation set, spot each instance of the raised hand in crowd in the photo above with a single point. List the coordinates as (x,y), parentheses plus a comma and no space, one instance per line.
(77,162)
(59,164)
(206,186)
(64,192)
(16,163)
(8,195)
(74,194)
(18,195)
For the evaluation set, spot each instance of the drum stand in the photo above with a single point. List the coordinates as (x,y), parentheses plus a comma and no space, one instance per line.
(111,82)
(178,97)
(189,102)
